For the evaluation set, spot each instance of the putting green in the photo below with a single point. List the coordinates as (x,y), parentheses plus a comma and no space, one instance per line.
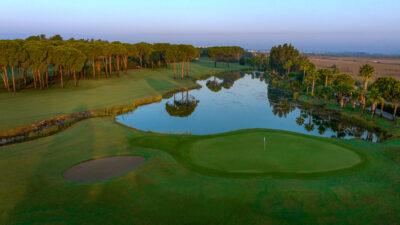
(284,153)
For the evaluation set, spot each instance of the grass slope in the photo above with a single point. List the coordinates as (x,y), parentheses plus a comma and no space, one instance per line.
(165,191)
(31,105)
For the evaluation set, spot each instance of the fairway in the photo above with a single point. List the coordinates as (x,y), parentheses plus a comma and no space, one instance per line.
(170,182)
(283,153)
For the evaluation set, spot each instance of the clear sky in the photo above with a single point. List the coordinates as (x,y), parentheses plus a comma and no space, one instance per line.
(312,25)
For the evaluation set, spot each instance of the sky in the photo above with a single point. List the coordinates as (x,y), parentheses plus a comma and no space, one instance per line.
(311,25)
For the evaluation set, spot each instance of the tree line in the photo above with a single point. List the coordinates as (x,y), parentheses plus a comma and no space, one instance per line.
(36,61)
(286,63)
(225,54)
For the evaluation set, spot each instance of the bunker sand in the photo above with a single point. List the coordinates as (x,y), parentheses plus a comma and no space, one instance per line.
(102,169)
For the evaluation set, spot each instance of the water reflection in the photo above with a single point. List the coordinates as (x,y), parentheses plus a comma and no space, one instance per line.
(223,81)
(235,101)
(183,107)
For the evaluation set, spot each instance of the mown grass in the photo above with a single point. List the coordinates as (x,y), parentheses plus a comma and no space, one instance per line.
(30,105)
(165,191)
(171,188)
(242,153)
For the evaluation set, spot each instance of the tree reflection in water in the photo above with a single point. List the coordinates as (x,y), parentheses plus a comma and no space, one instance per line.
(248,95)
(318,117)
(213,85)
(225,80)
(183,107)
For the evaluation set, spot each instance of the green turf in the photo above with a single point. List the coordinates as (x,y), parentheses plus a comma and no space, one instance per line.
(245,153)
(166,190)
(31,105)
(187,179)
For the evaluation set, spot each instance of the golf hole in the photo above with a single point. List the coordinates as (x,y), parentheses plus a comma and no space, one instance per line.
(103,168)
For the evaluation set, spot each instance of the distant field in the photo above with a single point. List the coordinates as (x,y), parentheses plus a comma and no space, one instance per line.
(384,66)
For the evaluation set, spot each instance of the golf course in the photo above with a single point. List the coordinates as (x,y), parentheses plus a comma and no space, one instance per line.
(226,178)
(257,112)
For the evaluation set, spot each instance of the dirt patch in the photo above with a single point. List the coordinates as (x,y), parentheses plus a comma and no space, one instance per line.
(104,168)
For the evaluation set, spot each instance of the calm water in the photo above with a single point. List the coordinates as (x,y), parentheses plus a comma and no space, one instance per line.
(238,101)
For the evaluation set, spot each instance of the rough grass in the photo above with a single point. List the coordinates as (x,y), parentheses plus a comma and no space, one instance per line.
(165,191)
(30,105)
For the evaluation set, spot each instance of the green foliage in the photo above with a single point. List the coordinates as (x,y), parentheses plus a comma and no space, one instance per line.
(181,109)
(225,53)
(37,55)
(343,84)
(283,57)
(367,71)
(325,76)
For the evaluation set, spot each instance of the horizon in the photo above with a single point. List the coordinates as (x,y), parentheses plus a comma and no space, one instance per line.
(312,26)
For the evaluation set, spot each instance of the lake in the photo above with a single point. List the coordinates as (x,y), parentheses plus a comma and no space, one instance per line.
(234,101)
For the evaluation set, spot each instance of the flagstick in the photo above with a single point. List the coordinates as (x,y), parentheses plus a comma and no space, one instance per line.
(264,143)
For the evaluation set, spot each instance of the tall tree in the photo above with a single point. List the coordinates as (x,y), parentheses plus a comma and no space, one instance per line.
(182,53)
(287,66)
(304,65)
(343,84)
(38,52)
(395,97)
(4,62)
(335,70)
(279,55)
(366,72)
(61,55)
(313,75)
(143,48)
(131,52)
(191,53)
(326,75)
(374,96)
(78,62)
(172,55)
(384,85)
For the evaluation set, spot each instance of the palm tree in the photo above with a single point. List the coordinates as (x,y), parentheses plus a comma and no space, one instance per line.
(335,70)
(374,96)
(355,96)
(326,92)
(325,75)
(384,85)
(313,75)
(304,66)
(343,84)
(287,66)
(366,72)
(395,97)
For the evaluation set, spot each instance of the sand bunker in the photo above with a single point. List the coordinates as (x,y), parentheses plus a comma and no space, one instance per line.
(104,168)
